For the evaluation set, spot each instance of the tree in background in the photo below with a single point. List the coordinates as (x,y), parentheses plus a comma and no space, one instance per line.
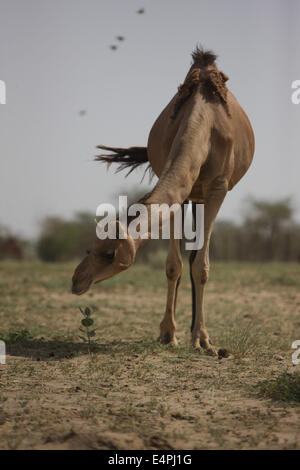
(62,240)
(268,232)
(11,246)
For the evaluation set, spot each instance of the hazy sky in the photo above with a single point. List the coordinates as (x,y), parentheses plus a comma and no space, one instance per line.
(55,60)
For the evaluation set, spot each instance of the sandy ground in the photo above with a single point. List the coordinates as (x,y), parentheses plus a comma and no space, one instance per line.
(131,392)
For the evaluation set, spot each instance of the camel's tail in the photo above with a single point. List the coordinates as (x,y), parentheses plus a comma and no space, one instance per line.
(131,158)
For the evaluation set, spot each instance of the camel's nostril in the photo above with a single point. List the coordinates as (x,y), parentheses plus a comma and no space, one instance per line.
(74,287)
(80,286)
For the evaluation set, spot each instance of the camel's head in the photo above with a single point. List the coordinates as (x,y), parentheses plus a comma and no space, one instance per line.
(106,259)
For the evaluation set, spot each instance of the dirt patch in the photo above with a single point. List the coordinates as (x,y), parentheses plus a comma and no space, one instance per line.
(131,392)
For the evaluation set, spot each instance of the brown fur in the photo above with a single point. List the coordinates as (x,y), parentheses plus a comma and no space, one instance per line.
(213,86)
(203,72)
(198,156)
(186,90)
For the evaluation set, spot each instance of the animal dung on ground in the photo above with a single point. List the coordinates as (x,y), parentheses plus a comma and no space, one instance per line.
(222,352)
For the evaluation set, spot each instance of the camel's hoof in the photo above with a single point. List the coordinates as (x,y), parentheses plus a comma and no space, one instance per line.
(167,338)
(208,347)
(211,352)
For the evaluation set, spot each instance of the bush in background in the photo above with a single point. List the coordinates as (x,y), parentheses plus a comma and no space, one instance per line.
(268,232)
(63,240)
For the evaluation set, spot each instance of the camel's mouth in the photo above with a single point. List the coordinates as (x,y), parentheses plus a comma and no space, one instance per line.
(78,291)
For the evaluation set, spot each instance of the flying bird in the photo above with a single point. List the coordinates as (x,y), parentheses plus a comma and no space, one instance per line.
(141,11)
(82,112)
(113,47)
(120,38)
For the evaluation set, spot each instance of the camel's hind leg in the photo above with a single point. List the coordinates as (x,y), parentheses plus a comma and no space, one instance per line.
(199,266)
(173,272)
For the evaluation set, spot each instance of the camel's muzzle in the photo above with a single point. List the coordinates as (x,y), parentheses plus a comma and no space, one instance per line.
(79,289)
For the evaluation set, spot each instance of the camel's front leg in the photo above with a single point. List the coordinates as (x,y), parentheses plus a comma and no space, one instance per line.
(173,272)
(199,268)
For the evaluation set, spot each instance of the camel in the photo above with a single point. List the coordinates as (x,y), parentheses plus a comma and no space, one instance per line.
(199,147)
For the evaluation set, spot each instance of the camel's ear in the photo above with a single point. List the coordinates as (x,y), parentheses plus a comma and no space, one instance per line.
(125,250)
(125,253)
(120,250)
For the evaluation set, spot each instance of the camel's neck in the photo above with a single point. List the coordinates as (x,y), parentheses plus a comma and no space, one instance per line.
(171,191)
(171,188)
(182,166)
(188,152)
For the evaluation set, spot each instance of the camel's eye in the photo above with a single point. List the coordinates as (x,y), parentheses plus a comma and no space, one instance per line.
(109,255)
(88,252)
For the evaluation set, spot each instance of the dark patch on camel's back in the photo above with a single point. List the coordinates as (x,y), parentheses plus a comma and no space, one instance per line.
(213,85)
(204,72)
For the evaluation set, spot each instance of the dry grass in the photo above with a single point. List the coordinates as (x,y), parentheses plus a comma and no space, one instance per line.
(132,392)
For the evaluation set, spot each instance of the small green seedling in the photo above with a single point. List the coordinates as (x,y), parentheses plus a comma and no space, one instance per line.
(87,322)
